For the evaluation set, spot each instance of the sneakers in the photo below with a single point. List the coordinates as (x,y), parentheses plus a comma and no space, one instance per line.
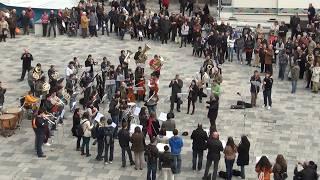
(106,163)
(110,162)
(47,144)
(269,107)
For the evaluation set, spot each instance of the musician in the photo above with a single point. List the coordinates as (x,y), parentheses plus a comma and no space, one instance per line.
(39,87)
(207,61)
(155,64)
(176,86)
(138,74)
(90,63)
(124,65)
(2,92)
(110,86)
(202,79)
(70,88)
(123,90)
(30,100)
(130,79)
(255,82)
(213,111)
(153,85)
(114,110)
(193,94)
(57,106)
(137,54)
(26,63)
(51,71)
(105,67)
(119,76)
(86,84)
(39,128)
(77,65)
(152,103)
(94,100)
(70,70)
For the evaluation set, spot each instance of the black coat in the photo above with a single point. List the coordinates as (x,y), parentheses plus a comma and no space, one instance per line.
(199,137)
(2,92)
(213,109)
(193,95)
(26,60)
(214,149)
(165,160)
(176,87)
(253,88)
(308,173)
(243,155)
(124,138)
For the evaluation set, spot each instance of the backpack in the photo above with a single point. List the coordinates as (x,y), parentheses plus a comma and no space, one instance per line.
(108,135)
(79,130)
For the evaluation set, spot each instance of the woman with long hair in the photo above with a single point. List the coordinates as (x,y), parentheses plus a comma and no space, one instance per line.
(143,118)
(230,155)
(138,144)
(193,95)
(243,155)
(153,126)
(263,168)
(76,122)
(280,168)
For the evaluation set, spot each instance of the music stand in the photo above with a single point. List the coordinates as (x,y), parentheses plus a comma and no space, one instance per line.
(244,113)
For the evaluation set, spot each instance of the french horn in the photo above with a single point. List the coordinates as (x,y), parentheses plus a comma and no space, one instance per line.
(45,87)
(36,73)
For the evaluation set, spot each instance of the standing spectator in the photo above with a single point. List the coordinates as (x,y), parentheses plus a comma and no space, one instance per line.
(138,143)
(294,76)
(93,22)
(249,46)
(165,163)
(257,46)
(280,168)
(268,59)
(99,135)
(176,86)
(108,142)
(169,124)
(184,33)
(311,13)
(214,146)
(300,58)
(165,26)
(192,96)
(176,145)
(229,156)
(311,46)
(213,110)
(84,25)
(283,62)
(230,42)
(44,22)
(152,155)
(315,78)
(294,22)
(153,126)
(53,23)
(2,92)
(60,22)
(262,57)
(239,43)
(243,156)
(199,141)
(267,88)
(86,126)
(12,21)
(30,13)
(263,168)
(124,140)
(4,29)
(26,63)
(76,122)
(183,5)
(25,20)
(255,82)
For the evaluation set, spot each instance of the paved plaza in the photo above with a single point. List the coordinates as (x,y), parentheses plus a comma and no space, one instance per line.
(291,127)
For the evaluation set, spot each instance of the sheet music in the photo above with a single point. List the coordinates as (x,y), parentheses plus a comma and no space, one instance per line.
(169,134)
(160,147)
(110,82)
(162,116)
(98,117)
(133,126)
(136,111)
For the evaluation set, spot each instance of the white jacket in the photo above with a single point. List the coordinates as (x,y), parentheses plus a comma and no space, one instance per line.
(230,42)
(315,74)
(86,126)
(185,29)
(205,77)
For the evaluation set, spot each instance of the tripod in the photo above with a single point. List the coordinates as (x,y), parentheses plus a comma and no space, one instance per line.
(244,112)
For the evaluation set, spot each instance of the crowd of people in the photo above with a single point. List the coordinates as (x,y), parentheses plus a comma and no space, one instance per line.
(297,57)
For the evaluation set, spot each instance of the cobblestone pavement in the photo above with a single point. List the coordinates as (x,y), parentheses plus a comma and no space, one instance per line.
(290,127)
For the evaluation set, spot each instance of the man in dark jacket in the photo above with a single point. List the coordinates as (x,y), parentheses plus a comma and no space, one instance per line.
(213,110)
(309,171)
(294,22)
(52,23)
(152,155)
(115,111)
(99,133)
(26,63)
(199,137)
(255,82)
(124,139)
(169,124)
(165,162)
(183,5)
(108,142)
(176,85)
(214,146)
(164,29)
(283,29)
(311,13)
(267,88)
(39,127)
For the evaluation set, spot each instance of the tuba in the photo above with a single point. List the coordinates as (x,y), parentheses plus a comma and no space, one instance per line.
(143,57)
(45,87)
(127,58)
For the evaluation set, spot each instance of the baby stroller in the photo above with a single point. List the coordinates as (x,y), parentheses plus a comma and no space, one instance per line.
(72,30)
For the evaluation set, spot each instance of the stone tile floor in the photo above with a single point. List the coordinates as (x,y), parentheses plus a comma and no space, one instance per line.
(289,128)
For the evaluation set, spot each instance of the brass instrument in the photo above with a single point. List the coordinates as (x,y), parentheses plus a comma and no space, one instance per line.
(36,73)
(209,67)
(45,87)
(143,57)
(65,94)
(156,66)
(127,58)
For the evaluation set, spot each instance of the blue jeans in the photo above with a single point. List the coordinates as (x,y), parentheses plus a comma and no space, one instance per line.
(243,174)
(282,70)
(106,151)
(39,142)
(123,155)
(294,86)
(85,143)
(230,53)
(197,154)
(239,54)
(176,163)
(267,97)
(115,119)
(229,165)
(152,171)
